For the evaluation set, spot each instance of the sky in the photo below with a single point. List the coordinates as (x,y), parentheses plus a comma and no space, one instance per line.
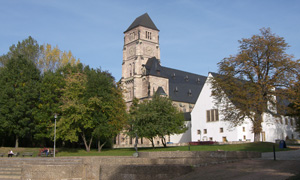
(194,34)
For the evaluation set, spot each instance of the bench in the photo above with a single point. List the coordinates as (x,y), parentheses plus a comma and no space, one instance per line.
(27,154)
(44,154)
(16,154)
(1,154)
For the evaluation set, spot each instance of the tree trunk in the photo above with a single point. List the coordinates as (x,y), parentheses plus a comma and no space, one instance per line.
(17,142)
(256,137)
(257,128)
(100,146)
(87,146)
(163,141)
(152,141)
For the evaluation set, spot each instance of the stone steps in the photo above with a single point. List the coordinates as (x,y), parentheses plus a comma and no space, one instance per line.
(10,173)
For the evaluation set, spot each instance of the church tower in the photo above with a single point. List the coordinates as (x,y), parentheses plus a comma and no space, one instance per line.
(141,42)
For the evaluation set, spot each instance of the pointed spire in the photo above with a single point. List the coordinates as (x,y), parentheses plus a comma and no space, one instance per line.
(143,20)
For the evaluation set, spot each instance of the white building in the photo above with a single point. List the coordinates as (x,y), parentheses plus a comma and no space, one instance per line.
(207,124)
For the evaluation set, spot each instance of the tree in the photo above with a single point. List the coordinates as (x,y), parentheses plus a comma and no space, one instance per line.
(52,58)
(75,120)
(92,106)
(249,83)
(49,103)
(110,116)
(156,117)
(19,84)
(294,105)
(46,57)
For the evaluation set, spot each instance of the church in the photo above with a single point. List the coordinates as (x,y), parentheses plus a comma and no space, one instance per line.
(143,75)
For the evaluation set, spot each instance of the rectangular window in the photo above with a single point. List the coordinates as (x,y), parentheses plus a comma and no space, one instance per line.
(221,130)
(244,137)
(198,131)
(216,114)
(244,129)
(205,131)
(208,115)
(212,115)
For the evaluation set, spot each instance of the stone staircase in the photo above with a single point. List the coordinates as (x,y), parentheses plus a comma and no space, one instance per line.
(10,172)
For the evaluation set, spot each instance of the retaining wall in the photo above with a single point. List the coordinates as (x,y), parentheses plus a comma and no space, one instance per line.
(149,165)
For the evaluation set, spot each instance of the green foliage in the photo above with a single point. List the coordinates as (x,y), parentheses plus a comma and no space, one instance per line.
(49,103)
(92,106)
(19,84)
(248,83)
(156,117)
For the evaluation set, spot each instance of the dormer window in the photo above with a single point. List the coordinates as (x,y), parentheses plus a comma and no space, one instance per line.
(190,92)
(173,75)
(186,78)
(198,80)
(176,89)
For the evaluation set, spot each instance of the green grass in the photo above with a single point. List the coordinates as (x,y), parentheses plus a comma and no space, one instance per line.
(259,147)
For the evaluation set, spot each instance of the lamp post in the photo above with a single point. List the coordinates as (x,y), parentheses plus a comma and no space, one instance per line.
(55,116)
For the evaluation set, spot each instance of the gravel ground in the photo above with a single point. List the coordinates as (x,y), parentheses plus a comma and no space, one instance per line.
(287,165)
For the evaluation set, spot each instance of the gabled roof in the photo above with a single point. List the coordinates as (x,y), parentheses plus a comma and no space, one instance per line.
(183,86)
(143,20)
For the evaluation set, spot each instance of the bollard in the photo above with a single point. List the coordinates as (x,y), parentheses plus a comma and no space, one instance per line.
(274,152)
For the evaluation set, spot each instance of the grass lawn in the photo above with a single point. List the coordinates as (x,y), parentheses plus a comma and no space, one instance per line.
(259,147)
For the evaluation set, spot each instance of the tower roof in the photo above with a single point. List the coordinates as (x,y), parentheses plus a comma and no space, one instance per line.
(143,20)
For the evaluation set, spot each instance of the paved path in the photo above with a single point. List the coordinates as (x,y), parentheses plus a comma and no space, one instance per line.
(286,165)
(282,155)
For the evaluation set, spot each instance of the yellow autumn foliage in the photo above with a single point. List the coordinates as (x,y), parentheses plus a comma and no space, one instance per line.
(52,58)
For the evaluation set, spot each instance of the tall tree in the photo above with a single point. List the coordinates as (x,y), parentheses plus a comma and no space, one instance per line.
(156,117)
(251,82)
(49,103)
(110,116)
(19,84)
(294,110)
(92,107)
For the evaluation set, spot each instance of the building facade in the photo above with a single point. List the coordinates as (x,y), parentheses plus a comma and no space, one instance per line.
(143,75)
(207,123)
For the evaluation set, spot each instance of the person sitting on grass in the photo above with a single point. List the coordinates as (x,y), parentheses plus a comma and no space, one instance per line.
(10,153)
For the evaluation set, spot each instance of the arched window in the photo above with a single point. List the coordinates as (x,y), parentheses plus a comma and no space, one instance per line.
(133,68)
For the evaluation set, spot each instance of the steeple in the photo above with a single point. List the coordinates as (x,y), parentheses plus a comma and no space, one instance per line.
(143,20)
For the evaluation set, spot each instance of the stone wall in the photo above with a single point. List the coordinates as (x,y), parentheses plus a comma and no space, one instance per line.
(149,165)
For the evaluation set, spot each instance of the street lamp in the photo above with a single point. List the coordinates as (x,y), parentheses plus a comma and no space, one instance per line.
(55,116)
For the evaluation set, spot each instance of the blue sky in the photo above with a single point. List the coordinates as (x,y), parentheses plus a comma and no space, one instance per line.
(194,34)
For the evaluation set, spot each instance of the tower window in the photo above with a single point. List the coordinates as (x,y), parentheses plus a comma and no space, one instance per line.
(148,35)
